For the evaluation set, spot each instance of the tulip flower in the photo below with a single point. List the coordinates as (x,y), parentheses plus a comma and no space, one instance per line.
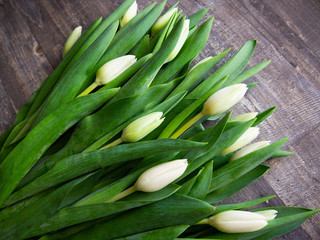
(73,37)
(183,37)
(245,139)
(224,99)
(249,149)
(244,117)
(138,129)
(156,178)
(234,221)
(162,21)
(130,13)
(109,71)
(217,103)
(268,214)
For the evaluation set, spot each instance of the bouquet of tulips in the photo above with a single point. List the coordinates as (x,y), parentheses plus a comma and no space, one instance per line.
(112,146)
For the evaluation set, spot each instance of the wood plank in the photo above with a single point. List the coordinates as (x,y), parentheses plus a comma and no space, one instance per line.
(23,63)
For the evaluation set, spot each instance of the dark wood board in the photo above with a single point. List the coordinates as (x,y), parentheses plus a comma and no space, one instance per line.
(32,35)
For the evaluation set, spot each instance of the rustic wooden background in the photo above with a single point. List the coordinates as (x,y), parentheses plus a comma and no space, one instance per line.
(32,34)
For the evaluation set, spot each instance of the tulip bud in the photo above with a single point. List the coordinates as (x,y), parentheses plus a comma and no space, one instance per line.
(244,117)
(141,127)
(268,214)
(73,37)
(130,13)
(224,99)
(161,175)
(162,21)
(245,139)
(200,62)
(183,37)
(114,68)
(249,149)
(238,221)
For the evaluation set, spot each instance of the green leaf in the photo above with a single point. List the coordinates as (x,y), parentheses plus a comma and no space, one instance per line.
(196,17)
(197,74)
(16,165)
(76,165)
(263,116)
(233,67)
(189,51)
(281,153)
(175,210)
(249,73)
(142,48)
(236,169)
(201,187)
(168,233)
(29,217)
(243,205)
(78,214)
(187,185)
(235,186)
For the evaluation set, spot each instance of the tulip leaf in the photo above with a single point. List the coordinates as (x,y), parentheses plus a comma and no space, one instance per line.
(189,51)
(198,73)
(250,72)
(142,48)
(29,217)
(281,153)
(235,186)
(196,17)
(243,205)
(263,116)
(201,186)
(79,214)
(241,166)
(167,233)
(79,164)
(187,185)
(174,210)
(16,165)
(233,67)
(96,126)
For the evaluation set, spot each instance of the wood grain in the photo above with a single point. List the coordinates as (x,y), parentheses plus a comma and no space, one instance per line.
(32,34)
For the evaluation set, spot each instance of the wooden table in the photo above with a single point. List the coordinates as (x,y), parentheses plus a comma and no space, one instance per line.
(32,35)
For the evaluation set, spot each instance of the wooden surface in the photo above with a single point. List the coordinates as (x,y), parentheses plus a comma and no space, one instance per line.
(32,34)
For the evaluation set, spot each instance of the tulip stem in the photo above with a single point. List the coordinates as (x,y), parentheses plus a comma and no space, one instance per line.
(187,125)
(114,143)
(203,221)
(123,194)
(89,89)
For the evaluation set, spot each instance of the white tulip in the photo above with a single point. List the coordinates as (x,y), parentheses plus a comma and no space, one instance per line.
(161,175)
(183,37)
(249,149)
(73,37)
(112,69)
(245,139)
(141,127)
(130,13)
(162,21)
(268,214)
(244,117)
(238,221)
(224,99)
